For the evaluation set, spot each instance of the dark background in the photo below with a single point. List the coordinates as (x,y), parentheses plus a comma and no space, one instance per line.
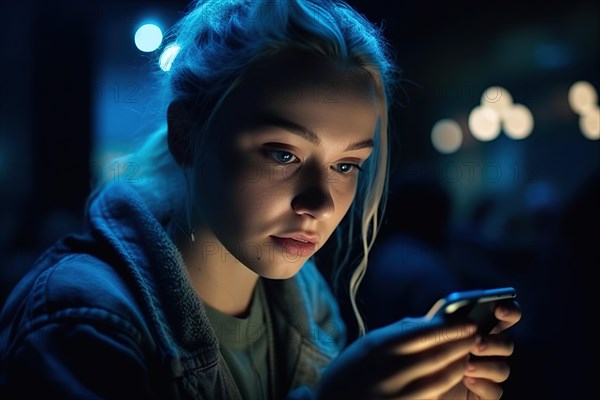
(75,91)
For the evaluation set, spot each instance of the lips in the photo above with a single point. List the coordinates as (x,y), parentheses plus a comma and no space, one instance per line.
(297,244)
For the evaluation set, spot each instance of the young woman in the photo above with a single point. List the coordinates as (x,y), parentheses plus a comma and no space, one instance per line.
(196,281)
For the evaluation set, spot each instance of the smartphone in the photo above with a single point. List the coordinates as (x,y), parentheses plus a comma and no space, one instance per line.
(473,306)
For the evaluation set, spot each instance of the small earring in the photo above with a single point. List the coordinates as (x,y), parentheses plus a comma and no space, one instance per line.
(193,235)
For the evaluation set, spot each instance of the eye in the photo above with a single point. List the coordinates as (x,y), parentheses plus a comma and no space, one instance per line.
(282,157)
(347,168)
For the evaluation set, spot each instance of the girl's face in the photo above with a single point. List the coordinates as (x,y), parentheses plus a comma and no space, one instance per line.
(287,145)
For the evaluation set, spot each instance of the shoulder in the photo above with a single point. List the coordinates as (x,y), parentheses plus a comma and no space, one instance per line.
(86,282)
(70,326)
(70,288)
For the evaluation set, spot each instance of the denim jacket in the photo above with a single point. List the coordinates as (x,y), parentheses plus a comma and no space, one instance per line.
(110,313)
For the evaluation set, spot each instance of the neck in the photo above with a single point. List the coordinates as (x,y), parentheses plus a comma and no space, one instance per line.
(219,279)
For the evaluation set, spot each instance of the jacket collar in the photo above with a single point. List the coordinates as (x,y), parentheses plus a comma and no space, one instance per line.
(119,216)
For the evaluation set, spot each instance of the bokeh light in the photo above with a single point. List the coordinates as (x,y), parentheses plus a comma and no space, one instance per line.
(589,123)
(484,123)
(517,121)
(148,37)
(497,98)
(446,136)
(582,97)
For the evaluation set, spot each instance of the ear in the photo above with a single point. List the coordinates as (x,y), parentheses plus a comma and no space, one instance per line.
(178,121)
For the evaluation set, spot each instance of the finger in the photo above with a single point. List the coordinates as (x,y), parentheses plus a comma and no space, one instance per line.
(494,345)
(483,388)
(411,368)
(431,335)
(435,385)
(495,370)
(508,314)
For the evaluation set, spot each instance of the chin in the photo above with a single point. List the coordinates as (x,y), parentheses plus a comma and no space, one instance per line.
(279,269)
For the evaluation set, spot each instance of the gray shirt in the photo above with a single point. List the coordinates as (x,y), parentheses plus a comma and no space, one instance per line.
(243,342)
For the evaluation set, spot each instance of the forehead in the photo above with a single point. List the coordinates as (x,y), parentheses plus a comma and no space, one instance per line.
(306,85)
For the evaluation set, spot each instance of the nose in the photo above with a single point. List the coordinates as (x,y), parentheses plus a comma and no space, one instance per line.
(314,198)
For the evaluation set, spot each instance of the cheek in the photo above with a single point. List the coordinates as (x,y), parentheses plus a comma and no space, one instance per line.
(257,200)
(343,191)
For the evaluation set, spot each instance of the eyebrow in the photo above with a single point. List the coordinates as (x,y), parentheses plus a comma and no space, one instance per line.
(304,132)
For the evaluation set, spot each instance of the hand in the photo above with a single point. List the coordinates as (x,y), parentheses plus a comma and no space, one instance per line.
(488,368)
(413,358)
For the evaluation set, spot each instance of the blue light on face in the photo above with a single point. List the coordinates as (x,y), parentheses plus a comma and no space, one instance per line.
(148,37)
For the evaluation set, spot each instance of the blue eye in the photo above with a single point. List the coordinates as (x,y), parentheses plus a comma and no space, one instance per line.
(347,168)
(283,157)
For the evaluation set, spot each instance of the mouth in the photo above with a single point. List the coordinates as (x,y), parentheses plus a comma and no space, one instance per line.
(297,244)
